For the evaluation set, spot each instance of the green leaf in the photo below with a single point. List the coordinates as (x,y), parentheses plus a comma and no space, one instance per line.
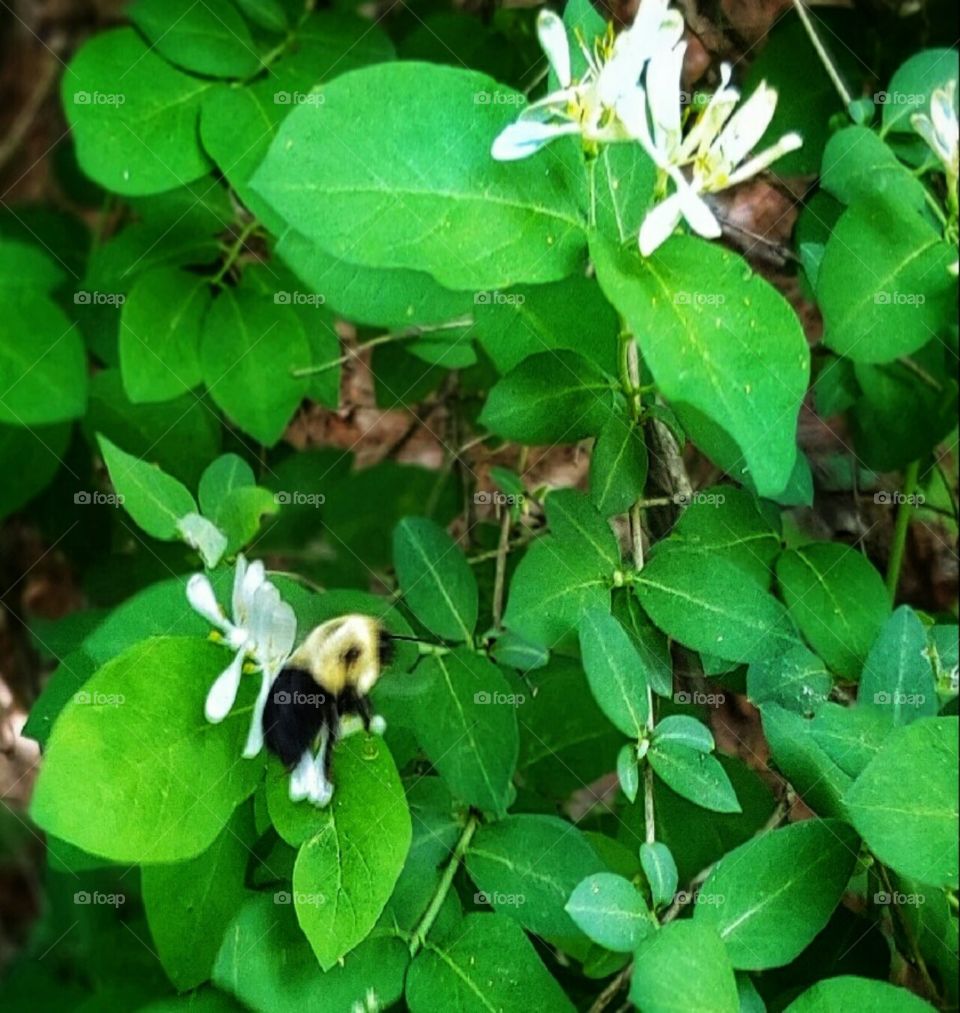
(527,866)
(904,804)
(345,873)
(582,529)
(160,327)
(615,671)
(43,370)
(897,676)
(139,735)
(435,578)
(485,963)
(848,992)
(466,722)
(913,84)
(471,222)
(248,350)
(209,38)
(684,966)
(611,911)
(628,770)
(684,731)
(618,466)
(625,180)
(133,117)
(731,357)
(714,607)
(155,500)
(660,870)
(694,775)
(905,296)
(190,904)
(650,642)
(34,454)
(248,966)
(771,896)
(551,397)
(797,680)
(857,165)
(220,478)
(837,599)
(267,14)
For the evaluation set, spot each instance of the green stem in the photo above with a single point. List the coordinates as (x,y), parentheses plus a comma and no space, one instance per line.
(443,887)
(235,250)
(828,64)
(902,527)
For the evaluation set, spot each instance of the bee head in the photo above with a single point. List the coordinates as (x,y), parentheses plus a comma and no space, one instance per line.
(350,651)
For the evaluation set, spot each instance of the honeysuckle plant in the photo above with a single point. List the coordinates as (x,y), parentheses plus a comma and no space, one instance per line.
(581,498)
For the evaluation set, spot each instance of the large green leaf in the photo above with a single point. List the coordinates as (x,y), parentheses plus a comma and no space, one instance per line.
(857,165)
(527,866)
(725,348)
(905,801)
(345,873)
(423,191)
(133,117)
(43,370)
(135,736)
(714,606)
(897,676)
(837,599)
(435,578)
(466,722)
(615,671)
(884,286)
(485,963)
(771,896)
(684,966)
(848,992)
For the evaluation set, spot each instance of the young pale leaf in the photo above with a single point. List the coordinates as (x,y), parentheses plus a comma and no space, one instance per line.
(615,671)
(906,296)
(628,771)
(694,775)
(486,962)
(905,801)
(684,731)
(611,911)
(43,372)
(204,536)
(248,967)
(466,722)
(249,349)
(137,732)
(684,966)
(837,599)
(551,397)
(160,326)
(722,344)
(714,606)
(133,116)
(345,873)
(660,870)
(190,904)
(897,676)
(771,896)
(403,197)
(435,578)
(155,500)
(618,466)
(848,992)
(209,38)
(527,866)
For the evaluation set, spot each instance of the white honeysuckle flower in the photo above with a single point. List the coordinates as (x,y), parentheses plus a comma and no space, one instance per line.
(263,628)
(714,149)
(589,107)
(940,128)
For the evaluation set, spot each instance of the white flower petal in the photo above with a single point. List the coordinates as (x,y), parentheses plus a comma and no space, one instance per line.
(378,724)
(255,734)
(223,692)
(302,778)
(698,214)
(748,125)
(659,223)
(711,121)
(203,600)
(944,114)
(663,94)
(245,585)
(553,38)
(787,143)
(525,138)
(272,628)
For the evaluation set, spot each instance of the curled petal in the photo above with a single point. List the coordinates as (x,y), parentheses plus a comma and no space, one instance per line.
(943,113)
(553,38)
(748,125)
(526,137)
(223,692)
(787,143)
(255,735)
(697,213)
(203,600)
(711,121)
(663,90)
